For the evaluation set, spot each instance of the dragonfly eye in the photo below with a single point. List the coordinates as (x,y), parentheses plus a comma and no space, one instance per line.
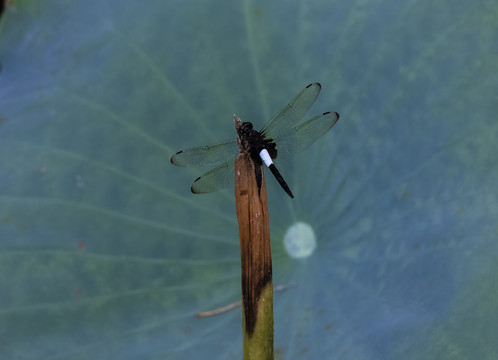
(246,126)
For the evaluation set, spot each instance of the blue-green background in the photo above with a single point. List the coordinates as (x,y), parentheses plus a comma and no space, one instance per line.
(105,254)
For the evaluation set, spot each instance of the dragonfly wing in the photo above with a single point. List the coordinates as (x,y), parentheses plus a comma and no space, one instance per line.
(215,179)
(300,137)
(293,112)
(206,155)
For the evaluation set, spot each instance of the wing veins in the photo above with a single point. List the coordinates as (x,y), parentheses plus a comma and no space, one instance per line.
(215,179)
(293,112)
(302,136)
(209,155)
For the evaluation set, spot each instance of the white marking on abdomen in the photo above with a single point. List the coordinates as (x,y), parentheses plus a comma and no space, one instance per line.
(263,154)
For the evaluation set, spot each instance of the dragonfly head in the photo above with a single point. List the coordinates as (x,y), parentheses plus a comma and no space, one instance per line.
(245,129)
(246,132)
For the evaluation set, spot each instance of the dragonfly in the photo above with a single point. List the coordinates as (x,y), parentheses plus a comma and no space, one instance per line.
(283,136)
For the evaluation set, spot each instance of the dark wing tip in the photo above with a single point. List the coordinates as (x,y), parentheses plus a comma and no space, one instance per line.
(315,83)
(192,187)
(335,113)
(172,159)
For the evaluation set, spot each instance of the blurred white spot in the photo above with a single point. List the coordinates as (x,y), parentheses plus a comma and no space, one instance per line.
(79,181)
(300,240)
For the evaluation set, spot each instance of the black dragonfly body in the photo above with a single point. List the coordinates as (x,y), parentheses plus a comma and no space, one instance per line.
(260,150)
(282,136)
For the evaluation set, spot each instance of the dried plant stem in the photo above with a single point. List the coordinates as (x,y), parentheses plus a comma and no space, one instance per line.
(255,253)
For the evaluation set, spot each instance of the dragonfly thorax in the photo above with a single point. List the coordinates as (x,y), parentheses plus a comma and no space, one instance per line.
(252,142)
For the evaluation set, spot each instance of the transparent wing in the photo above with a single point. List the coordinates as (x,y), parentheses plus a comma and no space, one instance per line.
(206,155)
(215,179)
(293,113)
(300,137)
